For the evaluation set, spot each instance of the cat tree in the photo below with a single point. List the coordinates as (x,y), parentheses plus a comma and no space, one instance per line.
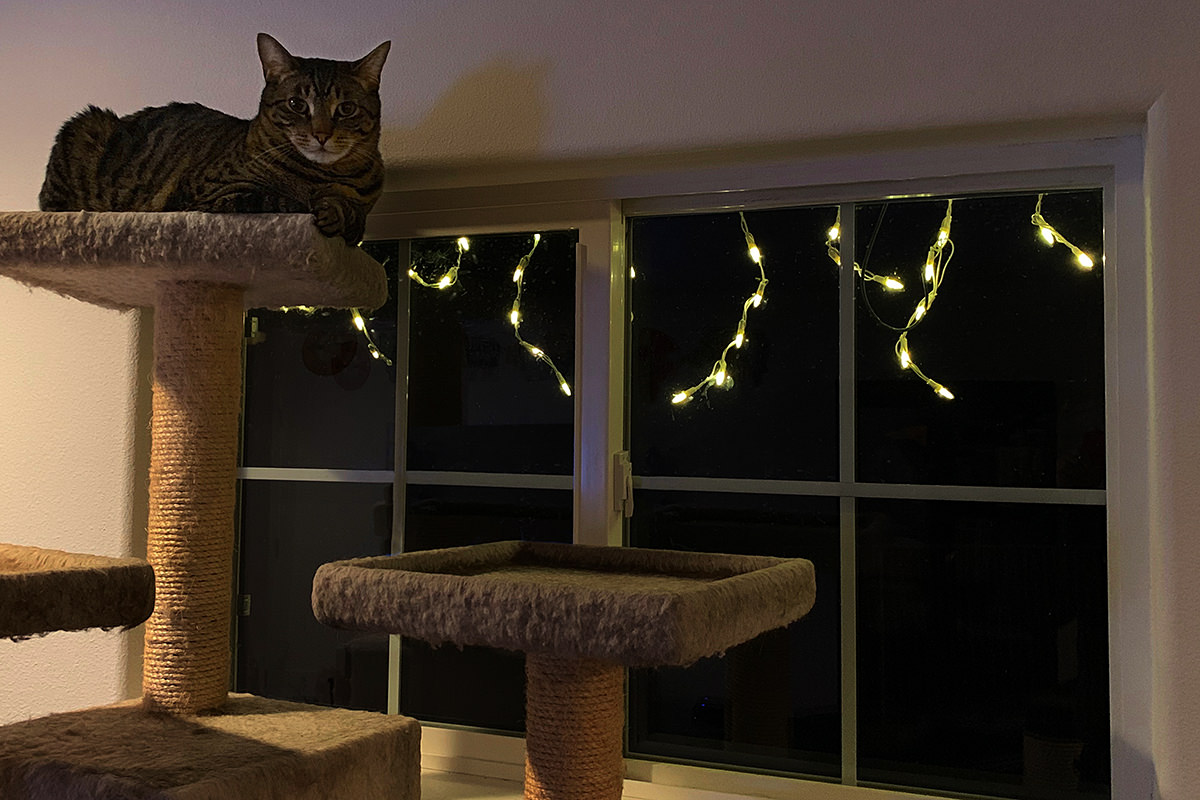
(581,615)
(187,737)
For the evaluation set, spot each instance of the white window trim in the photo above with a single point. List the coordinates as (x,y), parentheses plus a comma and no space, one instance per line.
(594,205)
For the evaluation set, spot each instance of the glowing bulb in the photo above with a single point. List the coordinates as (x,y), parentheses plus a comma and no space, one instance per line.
(755,254)
(833,233)
(565,388)
(463,243)
(919,311)
(943,235)
(757,299)
(412,273)
(514,316)
(741,334)
(1085,261)
(719,378)
(444,282)
(905,359)
(944,392)
(537,237)
(517,275)
(535,352)
(681,397)
(358,322)
(632,272)
(1047,234)
(374,352)
(929,272)
(893,284)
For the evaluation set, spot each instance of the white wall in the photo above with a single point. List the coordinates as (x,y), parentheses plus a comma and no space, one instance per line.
(488,80)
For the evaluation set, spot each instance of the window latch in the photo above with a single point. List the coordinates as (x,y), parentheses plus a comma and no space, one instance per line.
(623,483)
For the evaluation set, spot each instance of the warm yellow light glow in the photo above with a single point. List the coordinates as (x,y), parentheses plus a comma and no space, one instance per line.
(514,317)
(444,282)
(946,393)
(833,233)
(929,272)
(719,377)
(893,284)
(756,254)
(358,321)
(919,311)
(680,397)
(632,272)
(565,388)
(905,359)
(1047,234)
(1085,260)
(757,299)
(361,325)
(463,243)
(517,275)
(412,273)
(536,352)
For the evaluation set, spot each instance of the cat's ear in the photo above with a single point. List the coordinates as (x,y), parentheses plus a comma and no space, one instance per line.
(368,68)
(276,61)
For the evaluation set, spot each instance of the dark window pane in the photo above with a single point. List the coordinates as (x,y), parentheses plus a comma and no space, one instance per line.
(774,702)
(477,399)
(315,397)
(982,648)
(777,417)
(288,530)
(476,686)
(1016,332)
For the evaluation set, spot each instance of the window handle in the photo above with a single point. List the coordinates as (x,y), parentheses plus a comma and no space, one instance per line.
(623,483)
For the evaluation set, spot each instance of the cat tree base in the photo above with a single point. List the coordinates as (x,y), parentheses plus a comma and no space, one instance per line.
(251,749)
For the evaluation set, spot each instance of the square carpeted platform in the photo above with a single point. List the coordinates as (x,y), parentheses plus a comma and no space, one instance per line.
(253,749)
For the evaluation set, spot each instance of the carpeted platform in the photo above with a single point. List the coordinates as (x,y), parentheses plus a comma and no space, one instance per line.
(630,606)
(252,749)
(115,259)
(44,590)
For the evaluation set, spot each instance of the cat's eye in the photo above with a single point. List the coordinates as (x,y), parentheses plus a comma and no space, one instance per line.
(347,109)
(298,105)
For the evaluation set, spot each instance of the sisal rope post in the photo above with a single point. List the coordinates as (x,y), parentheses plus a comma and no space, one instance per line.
(574,728)
(194,433)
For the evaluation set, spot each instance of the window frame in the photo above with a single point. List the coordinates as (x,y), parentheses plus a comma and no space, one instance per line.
(598,204)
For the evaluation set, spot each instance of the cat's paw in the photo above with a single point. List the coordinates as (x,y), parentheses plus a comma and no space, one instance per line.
(330,217)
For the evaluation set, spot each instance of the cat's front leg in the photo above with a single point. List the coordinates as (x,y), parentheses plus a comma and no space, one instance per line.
(337,216)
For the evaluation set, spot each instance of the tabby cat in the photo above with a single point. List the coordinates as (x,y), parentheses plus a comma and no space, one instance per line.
(312,148)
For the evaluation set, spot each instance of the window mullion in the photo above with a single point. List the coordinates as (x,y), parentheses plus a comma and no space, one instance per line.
(847,475)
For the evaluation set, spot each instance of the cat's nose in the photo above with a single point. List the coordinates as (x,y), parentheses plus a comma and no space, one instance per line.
(321,138)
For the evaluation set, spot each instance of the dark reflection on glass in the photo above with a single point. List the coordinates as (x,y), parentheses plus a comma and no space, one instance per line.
(476,686)
(983,648)
(1016,332)
(774,702)
(315,397)
(477,399)
(288,530)
(777,416)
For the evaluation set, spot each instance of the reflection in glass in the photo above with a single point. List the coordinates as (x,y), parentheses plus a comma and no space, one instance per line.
(288,530)
(315,397)
(773,702)
(983,647)
(1016,332)
(478,400)
(777,416)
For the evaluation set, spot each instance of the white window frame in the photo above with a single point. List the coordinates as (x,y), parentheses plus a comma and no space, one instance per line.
(596,204)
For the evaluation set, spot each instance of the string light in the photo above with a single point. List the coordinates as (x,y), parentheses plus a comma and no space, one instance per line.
(719,375)
(450,277)
(1052,237)
(514,316)
(832,247)
(936,263)
(361,324)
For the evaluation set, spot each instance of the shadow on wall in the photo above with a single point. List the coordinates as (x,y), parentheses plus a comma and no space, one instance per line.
(495,111)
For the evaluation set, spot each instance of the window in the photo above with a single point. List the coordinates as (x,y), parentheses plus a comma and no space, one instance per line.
(964,639)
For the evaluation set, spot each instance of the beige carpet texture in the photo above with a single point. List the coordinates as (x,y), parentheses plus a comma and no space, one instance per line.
(115,259)
(44,590)
(631,606)
(253,749)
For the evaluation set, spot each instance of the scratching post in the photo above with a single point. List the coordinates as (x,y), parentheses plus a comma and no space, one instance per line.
(581,615)
(194,434)
(187,737)
(575,724)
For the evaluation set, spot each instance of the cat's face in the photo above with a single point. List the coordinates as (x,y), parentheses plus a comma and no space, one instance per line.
(326,109)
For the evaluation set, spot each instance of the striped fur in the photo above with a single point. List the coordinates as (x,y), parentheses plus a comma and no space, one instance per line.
(312,148)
